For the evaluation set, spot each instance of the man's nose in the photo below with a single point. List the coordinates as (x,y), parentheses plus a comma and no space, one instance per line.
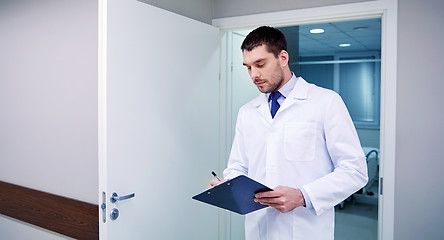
(254,73)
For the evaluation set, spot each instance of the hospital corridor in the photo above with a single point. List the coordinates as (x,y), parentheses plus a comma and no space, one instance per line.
(115,114)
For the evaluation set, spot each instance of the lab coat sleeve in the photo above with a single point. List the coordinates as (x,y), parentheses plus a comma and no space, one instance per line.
(237,162)
(347,156)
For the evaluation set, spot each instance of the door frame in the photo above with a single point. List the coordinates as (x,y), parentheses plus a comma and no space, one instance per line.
(102,113)
(387,11)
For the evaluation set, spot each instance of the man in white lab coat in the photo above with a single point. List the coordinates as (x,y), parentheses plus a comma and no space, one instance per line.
(301,142)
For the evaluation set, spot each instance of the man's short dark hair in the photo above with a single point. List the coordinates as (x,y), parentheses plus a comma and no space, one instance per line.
(272,38)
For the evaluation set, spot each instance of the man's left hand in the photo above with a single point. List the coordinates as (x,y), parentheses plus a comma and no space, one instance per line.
(283,198)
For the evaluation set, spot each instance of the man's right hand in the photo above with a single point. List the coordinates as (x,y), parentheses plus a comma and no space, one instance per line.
(214,181)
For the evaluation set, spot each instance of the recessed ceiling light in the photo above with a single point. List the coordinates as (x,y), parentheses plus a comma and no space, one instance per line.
(344,45)
(317,30)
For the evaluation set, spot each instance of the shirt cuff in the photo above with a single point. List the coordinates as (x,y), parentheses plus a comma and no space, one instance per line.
(308,203)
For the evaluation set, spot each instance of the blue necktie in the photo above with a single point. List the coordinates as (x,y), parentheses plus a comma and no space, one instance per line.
(274,103)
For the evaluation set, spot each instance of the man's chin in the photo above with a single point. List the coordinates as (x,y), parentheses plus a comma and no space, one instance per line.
(263,90)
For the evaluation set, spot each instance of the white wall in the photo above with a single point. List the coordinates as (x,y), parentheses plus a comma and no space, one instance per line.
(48,102)
(199,10)
(12,229)
(48,96)
(419,195)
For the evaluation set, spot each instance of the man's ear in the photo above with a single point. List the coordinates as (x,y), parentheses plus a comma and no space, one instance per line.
(284,58)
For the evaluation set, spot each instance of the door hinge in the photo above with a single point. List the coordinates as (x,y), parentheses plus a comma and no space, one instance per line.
(381,180)
(103,207)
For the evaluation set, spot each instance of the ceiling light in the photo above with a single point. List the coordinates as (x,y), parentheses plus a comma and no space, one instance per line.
(344,45)
(317,30)
(360,28)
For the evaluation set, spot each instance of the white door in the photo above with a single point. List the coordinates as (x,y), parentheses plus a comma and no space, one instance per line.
(158,121)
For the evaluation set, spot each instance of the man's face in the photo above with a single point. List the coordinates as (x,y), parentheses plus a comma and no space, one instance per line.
(264,68)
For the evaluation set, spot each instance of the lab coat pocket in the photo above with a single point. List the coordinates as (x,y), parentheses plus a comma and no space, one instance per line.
(300,141)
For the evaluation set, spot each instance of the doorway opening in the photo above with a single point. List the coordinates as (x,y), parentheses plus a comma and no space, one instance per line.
(345,57)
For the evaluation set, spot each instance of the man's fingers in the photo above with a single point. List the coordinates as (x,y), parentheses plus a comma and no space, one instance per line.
(214,181)
(282,198)
(269,194)
(270,200)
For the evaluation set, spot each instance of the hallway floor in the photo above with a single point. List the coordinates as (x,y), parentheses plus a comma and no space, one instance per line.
(358,219)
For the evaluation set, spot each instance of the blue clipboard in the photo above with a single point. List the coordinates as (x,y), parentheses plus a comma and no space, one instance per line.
(236,195)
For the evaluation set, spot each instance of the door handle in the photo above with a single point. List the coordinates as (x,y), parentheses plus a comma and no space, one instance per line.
(114,198)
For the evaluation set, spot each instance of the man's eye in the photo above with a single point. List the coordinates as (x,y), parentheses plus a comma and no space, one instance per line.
(261,65)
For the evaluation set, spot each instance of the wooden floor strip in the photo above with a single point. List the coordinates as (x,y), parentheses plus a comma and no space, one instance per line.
(63,215)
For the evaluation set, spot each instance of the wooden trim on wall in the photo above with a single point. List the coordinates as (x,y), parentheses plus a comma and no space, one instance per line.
(63,215)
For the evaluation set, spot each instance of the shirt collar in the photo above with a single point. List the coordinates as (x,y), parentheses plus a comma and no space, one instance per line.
(287,88)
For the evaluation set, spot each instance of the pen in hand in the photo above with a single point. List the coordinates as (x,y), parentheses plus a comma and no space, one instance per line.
(214,181)
(215,175)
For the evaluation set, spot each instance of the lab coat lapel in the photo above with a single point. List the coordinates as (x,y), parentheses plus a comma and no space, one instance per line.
(261,104)
(299,93)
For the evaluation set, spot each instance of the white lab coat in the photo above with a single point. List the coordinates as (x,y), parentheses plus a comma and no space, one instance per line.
(312,144)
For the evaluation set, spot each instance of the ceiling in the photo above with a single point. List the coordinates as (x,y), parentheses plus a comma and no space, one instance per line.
(362,35)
